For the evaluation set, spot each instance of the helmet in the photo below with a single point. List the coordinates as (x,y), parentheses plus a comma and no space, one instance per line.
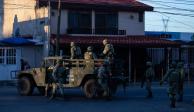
(72,44)
(89,48)
(105,41)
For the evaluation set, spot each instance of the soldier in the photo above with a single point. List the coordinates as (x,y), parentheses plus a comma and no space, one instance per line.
(180,81)
(103,78)
(148,76)
(49,82)
(75,51)
(89,54)
(108,51)
(172,75)
(59,77)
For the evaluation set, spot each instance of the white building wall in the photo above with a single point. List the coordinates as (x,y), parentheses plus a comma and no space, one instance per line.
(23,16)
(64,21)
(130,22)
(33,55)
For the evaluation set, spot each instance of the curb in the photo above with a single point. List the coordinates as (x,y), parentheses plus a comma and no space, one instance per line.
(8,83)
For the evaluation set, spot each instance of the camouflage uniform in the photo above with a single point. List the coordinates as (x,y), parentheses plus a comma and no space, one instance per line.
(103,77)
(75,51)
(180,81)
(172,75)
(59,77)
(89,54)
(149,74)
(108,51)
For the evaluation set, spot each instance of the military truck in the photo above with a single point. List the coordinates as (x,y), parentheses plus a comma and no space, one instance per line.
(80,73)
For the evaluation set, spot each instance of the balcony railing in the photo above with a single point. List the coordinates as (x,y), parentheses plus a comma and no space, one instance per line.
(97,31)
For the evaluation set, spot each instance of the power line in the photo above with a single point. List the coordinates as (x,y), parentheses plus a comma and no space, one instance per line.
(177,14)
(187,1)
(179,9)
(169,26)
(177,20)
(169,2)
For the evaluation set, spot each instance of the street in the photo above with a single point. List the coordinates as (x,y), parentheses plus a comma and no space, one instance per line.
(132,101)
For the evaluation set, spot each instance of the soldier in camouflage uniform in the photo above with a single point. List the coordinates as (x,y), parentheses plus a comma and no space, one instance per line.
(89,54)
(75,51)
(103,78)
(180,81)
(148,76)
(172,75)
(59,76)
(108,51)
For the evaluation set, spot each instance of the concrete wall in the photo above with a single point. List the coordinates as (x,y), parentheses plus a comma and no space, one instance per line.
(33,55)
(130,22)
(23,12)
(64,21)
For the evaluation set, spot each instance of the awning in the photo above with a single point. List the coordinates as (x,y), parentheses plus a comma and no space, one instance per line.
(16,41)
(132,41)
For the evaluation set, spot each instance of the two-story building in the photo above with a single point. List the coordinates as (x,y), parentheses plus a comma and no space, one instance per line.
(88,22)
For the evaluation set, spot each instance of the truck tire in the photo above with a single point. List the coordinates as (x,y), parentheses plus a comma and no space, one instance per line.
(25,86)
(90,88)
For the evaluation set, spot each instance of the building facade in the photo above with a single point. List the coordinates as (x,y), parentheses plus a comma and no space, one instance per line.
(86,22)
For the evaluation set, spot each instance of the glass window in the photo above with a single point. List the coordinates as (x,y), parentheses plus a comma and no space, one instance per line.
(106,23)
(2,54)
(11,56)
(79,22)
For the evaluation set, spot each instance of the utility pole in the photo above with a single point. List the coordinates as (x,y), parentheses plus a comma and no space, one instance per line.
(58,28)
(165,22)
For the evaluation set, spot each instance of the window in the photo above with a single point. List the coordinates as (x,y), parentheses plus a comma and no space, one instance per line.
(7,56)
(11,56)
(106,23)
(79,22)
(2,53)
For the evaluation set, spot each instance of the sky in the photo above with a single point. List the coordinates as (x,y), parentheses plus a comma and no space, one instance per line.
(181,18)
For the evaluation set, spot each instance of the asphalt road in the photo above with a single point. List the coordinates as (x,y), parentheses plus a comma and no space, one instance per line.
(132,101)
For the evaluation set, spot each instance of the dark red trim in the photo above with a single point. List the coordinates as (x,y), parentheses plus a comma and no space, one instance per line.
(132,41)
(113,5)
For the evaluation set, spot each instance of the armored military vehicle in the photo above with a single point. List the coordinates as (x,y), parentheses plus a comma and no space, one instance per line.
(80,73)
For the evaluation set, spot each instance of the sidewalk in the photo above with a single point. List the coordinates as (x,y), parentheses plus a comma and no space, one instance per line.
(8,83)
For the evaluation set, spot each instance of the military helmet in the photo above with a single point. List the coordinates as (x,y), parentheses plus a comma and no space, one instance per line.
(105,41)
(72,44)
(89,49)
